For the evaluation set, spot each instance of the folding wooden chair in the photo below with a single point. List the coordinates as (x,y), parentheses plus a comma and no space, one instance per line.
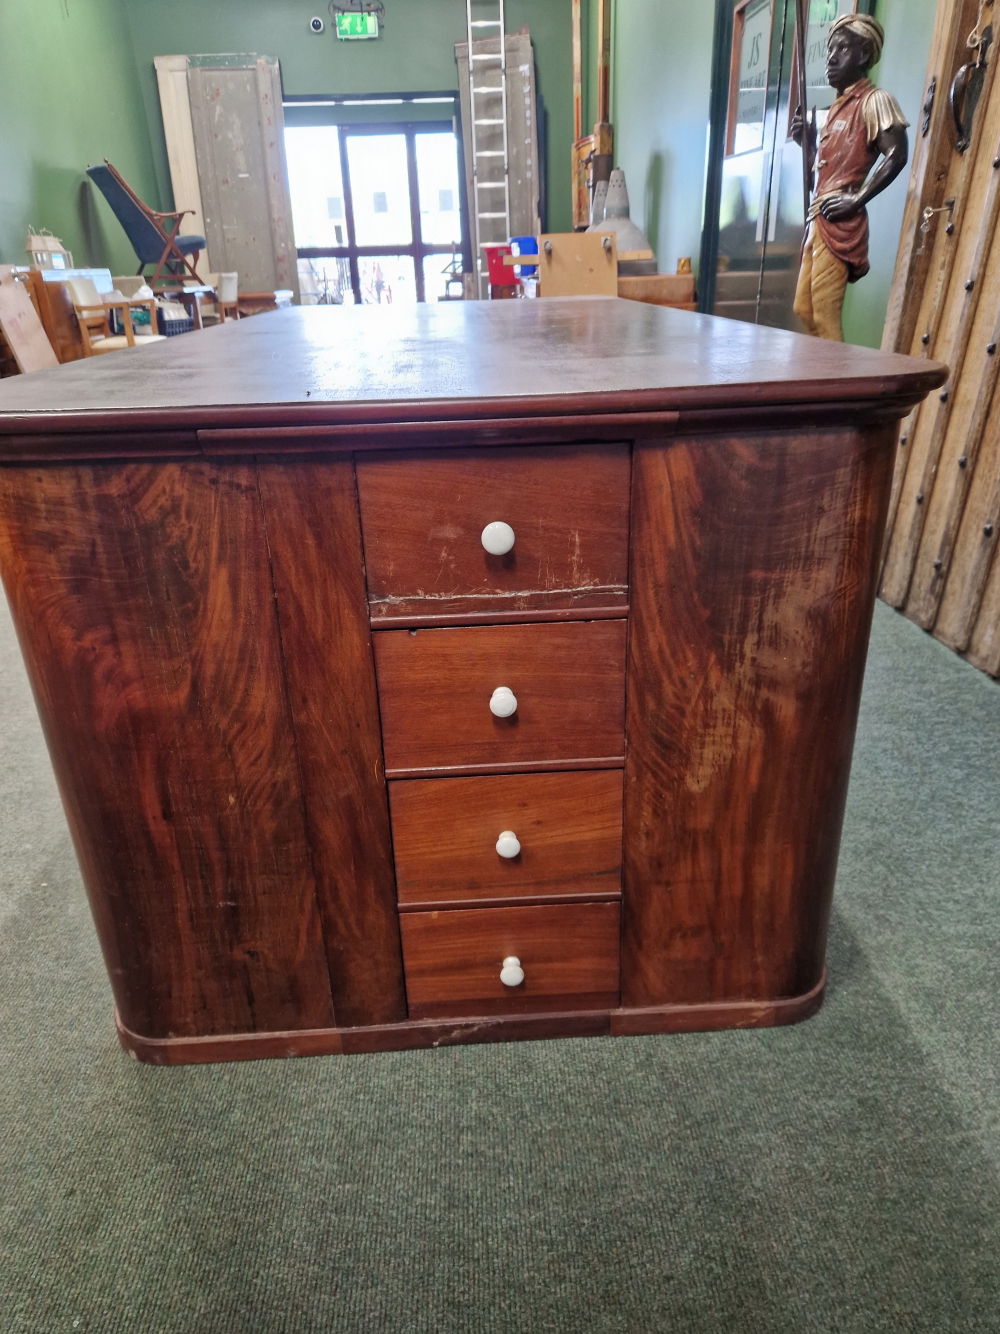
(94,316)
(154,236)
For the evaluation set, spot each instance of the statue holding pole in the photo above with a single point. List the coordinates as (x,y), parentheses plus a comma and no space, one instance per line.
(860,150)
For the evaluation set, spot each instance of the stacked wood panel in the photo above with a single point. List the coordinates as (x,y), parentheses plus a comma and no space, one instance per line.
(940,565)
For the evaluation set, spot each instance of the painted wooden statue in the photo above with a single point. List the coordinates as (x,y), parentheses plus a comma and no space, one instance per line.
(864,125)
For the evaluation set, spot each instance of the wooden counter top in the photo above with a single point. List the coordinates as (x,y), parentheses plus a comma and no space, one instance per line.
(310,368)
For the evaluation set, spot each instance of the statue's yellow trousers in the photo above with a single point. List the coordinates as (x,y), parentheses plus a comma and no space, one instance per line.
(819,294)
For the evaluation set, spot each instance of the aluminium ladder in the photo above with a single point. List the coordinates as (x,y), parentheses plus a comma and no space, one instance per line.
(490,164)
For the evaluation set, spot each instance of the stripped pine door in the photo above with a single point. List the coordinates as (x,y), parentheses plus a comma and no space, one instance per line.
(944,519)
(237,123)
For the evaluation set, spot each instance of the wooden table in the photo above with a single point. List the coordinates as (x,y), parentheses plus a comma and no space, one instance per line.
(248,573)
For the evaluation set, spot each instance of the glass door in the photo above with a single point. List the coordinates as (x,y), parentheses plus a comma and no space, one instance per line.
(377,211)
(319,215)
(783,209)
(745,221)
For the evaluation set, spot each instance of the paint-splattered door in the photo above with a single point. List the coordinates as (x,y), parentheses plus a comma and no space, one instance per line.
(238,126)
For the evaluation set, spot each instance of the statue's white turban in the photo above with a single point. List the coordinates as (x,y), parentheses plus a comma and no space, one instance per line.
(862,26)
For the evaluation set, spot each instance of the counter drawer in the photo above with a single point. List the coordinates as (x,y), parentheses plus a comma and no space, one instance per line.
(423,514)
(569,956)
(438,691)
(445,833)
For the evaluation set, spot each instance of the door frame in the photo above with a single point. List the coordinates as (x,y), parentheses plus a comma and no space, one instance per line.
(738,25)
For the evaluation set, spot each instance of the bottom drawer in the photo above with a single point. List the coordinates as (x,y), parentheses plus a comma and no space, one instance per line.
(453,959)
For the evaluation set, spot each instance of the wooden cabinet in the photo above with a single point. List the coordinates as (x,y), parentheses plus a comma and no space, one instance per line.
(344,772)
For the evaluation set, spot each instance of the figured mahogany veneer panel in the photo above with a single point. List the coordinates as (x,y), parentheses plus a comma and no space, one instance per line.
(143,602)
(311,510)
(423,513)
(435,688)
(752,584)
(569,954)
(444,833)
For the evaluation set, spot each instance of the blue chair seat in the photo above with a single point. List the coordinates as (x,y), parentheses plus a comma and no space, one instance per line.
(187,245)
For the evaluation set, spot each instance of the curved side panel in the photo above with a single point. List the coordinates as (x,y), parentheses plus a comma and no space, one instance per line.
(142,598)
(754,563)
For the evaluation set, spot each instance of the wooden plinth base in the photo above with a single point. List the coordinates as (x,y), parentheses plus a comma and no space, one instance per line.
(454,1032)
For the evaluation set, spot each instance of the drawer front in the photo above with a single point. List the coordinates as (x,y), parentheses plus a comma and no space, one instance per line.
(436,688)
(445,833)
(423,516)
(568,954)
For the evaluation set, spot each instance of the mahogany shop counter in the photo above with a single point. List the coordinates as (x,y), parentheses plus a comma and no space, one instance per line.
(454,673)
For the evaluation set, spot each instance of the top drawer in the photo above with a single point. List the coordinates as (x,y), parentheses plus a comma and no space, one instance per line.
(423,515)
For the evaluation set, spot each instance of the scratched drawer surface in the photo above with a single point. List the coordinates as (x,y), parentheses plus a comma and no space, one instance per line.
(492,534)
(515,836)
(468,961)
(502,698)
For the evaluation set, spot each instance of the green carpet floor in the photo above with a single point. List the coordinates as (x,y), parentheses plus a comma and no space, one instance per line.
(840,1175)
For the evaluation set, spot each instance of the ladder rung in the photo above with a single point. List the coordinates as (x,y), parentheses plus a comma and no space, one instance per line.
(491,215)
(487,122)
(489,88)
(485,23)
(491,185)
(498,56)
(490,152)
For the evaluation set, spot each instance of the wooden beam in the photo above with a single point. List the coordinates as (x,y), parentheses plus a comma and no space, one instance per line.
(984,645)
(577,39)
(175,110)
(900,571)
(972,566)
(953,484)
(941,326)
(935,174)
(933,153)
(603,62)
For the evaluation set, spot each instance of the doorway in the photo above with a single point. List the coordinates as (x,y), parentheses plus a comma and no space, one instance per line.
(377,210)
(755,201)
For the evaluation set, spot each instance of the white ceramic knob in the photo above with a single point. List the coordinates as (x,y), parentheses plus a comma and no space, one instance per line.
(507,844)
(512,974)
(498,538)
(503,702)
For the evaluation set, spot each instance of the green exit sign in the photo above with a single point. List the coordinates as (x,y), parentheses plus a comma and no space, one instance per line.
(355,27)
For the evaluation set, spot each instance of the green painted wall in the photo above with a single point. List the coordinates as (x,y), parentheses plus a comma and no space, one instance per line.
(661,76)
(416,53)
(69,97)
